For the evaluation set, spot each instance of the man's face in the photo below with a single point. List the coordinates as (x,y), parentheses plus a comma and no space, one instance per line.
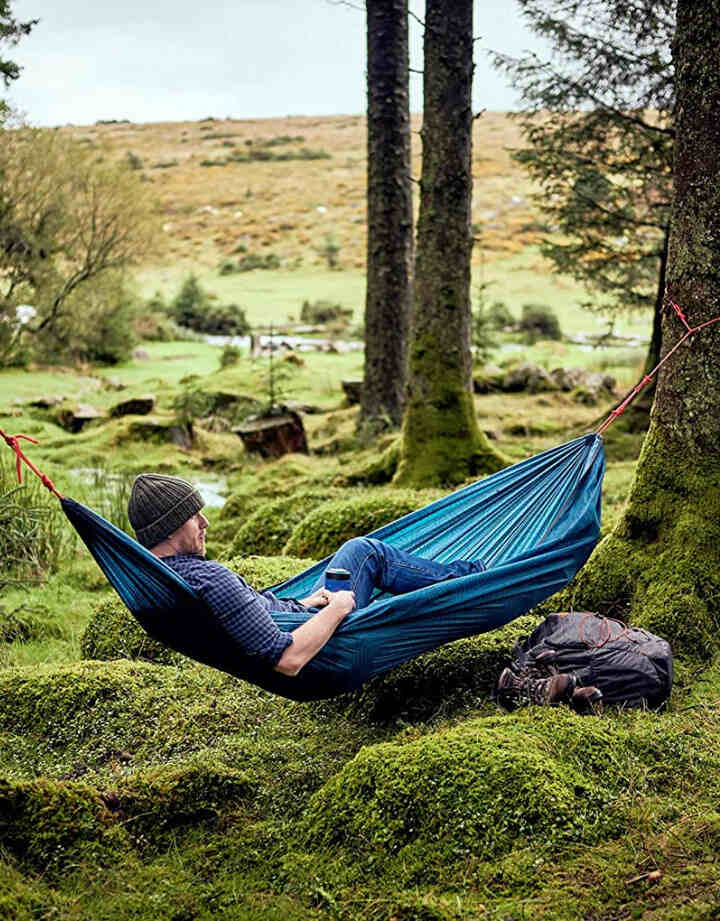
(190,538)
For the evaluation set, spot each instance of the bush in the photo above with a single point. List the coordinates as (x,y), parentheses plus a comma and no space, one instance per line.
(539,321)
(318,313)
(499,315)
(192,307)
(229,356)
(325,529)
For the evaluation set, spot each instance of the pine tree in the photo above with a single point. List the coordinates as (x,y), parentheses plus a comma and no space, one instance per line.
(599,126)
(661,564)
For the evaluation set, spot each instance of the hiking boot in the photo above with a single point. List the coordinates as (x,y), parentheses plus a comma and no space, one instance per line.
(587,700)
(514,690)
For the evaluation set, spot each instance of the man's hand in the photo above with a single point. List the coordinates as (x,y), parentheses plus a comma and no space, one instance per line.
(342,601)
(323,597)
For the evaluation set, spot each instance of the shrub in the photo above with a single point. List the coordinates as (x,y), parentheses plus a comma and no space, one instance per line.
(539,321)
(229,356)
(499,315)
(326,528)
(320,312)
(192,307)
(133,160)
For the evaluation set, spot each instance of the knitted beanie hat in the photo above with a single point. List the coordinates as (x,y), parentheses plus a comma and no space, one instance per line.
(160,505)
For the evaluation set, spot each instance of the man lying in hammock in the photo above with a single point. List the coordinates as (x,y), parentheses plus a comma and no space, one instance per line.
(165,512)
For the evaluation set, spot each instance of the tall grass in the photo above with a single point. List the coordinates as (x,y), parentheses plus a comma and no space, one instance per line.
(33,530)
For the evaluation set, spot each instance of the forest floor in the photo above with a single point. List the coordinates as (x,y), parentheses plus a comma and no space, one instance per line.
(136,784)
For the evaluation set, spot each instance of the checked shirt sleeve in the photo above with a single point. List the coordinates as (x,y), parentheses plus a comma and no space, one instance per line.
(243,612)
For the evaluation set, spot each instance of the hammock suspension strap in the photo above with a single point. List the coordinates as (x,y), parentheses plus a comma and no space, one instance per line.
(619,410)
(13,441)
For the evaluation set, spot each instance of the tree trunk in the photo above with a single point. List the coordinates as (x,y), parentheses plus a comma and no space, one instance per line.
(390,244)
(661,563)
(442,443)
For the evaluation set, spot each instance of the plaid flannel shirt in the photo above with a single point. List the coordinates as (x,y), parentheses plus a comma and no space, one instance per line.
(242,611)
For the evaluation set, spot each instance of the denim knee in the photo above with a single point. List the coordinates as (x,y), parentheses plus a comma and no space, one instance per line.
(363,544)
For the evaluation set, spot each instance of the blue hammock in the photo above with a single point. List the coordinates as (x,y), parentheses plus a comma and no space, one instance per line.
(533,524)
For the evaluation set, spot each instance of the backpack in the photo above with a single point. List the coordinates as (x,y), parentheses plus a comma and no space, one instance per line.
(631,666)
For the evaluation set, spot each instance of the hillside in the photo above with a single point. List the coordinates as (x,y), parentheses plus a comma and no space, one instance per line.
(307,183)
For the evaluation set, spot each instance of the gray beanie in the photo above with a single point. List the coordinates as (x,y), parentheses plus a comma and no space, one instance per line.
(160,505)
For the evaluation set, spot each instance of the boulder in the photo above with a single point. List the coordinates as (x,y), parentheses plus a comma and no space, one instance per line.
(352,391)
(135,406)
(274,435)
(157,428)
(46,402)
(528,377)
(488,379)
(76,416)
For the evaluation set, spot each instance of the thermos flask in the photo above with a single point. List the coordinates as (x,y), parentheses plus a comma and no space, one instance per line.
(337,580)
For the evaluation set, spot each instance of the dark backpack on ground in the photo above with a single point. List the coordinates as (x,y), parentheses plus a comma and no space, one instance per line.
(629,665)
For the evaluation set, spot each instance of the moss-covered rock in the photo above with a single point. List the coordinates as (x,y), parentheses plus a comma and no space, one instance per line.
(457,676)
(113,633)
(492,784)
(21,626)
(263,571)
(479,788)
(47,823)
(328,527)
(268,528)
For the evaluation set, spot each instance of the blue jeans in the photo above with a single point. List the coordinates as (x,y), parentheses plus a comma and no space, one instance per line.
(373,564)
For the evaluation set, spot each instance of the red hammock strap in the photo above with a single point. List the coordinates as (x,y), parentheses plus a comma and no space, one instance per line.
(619,410)
(13,441)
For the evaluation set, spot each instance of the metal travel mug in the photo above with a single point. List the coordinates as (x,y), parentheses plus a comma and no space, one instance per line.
(337,580)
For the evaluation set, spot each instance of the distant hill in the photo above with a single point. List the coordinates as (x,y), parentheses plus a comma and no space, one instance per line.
(295,187)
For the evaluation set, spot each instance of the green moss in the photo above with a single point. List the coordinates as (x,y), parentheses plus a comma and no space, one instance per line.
(490,785)
(656,568)
(263,571)
(21,626)
(441,441)
(379,469)
(323,531)
(477,788)
(267,530)
(113,633)
(47,823)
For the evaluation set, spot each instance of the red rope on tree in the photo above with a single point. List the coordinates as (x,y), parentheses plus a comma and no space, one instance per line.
(619,410)
(13,441)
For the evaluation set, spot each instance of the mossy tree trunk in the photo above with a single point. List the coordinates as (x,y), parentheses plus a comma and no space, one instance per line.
(441,442)
(661,564)
(390,222)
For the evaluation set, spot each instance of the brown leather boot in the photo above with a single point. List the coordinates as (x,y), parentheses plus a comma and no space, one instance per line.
(514,690)
(587,700)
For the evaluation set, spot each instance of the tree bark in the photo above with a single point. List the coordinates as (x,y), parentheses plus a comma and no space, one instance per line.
(390,222)
(442,443)
(661,564)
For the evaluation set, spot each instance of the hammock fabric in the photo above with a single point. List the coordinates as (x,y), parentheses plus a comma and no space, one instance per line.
(533,524)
